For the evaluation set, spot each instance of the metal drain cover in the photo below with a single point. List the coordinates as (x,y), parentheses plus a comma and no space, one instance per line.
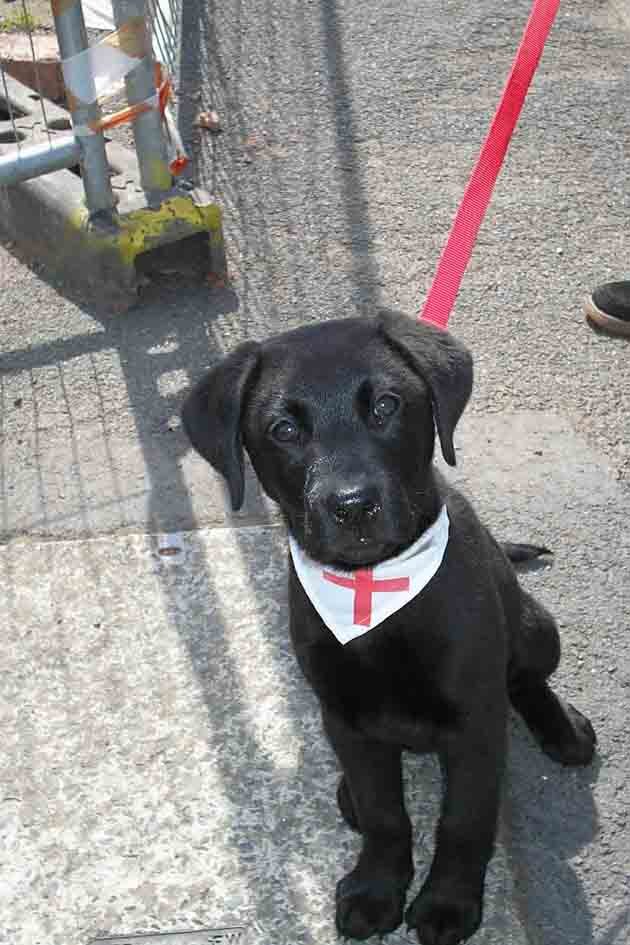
(234,935)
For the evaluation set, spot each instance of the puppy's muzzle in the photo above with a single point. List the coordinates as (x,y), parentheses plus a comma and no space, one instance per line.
(346,514)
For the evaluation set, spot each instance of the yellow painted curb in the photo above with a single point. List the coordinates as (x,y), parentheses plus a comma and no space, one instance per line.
(142,230)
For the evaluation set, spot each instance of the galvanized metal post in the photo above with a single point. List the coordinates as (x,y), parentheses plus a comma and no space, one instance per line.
(38,159)
(72,39)
(155,176)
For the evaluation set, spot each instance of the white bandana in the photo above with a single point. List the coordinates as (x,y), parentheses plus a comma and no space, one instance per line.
(352,602)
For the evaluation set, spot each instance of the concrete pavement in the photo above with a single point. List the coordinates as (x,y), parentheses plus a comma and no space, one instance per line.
(163,762)
(163,765)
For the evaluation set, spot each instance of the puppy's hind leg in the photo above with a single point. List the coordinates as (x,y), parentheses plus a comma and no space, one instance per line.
(562,732)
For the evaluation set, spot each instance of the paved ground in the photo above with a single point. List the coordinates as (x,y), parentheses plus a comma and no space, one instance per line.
(163,764)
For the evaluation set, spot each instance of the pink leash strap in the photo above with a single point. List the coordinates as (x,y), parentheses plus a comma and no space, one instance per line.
(461,240)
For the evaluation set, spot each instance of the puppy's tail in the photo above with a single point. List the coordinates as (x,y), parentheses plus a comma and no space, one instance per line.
(518,552)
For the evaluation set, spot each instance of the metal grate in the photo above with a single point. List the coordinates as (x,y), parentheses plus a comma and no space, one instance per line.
(234,935)
(8,114)
(20,22)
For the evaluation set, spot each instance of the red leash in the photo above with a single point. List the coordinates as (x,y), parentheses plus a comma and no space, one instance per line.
(461,240)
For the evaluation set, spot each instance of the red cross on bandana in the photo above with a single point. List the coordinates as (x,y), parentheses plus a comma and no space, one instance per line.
(364,586)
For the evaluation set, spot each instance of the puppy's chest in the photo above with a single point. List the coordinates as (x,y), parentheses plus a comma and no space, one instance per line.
(388,693)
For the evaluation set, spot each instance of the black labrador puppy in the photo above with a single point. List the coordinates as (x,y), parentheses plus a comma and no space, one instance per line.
(406,615)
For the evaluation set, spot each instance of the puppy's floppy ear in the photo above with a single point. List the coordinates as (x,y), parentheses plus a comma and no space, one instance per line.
(212,413)
(442,361)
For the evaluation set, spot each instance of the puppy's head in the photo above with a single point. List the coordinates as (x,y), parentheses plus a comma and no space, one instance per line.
(338,420)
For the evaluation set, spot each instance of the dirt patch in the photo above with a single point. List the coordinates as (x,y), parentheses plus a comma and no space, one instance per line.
(12,15)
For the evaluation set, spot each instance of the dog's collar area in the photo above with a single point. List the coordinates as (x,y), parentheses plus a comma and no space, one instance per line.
(352,603)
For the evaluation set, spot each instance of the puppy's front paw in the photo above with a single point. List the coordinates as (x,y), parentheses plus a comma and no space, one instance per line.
(440,919)
(369,907)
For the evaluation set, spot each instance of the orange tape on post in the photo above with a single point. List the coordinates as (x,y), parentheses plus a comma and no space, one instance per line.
(164,90)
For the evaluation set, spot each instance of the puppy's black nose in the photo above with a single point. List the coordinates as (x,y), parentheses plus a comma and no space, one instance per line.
(353,507)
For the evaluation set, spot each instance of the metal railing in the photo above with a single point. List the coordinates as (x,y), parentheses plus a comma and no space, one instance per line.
(48,150)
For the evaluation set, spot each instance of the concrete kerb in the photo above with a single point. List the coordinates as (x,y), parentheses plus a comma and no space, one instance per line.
(48,219)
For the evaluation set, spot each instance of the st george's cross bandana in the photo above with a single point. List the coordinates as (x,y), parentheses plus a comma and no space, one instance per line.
(353,602)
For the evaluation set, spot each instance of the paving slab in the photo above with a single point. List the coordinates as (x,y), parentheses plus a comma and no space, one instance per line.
(163,761)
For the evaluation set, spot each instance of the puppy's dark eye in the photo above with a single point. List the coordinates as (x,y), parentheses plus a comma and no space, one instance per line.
(285,431)
(385,407)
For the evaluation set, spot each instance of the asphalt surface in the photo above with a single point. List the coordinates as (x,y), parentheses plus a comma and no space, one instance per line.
(163,764)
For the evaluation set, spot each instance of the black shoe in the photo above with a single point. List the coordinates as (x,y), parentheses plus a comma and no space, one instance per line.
(608,308)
